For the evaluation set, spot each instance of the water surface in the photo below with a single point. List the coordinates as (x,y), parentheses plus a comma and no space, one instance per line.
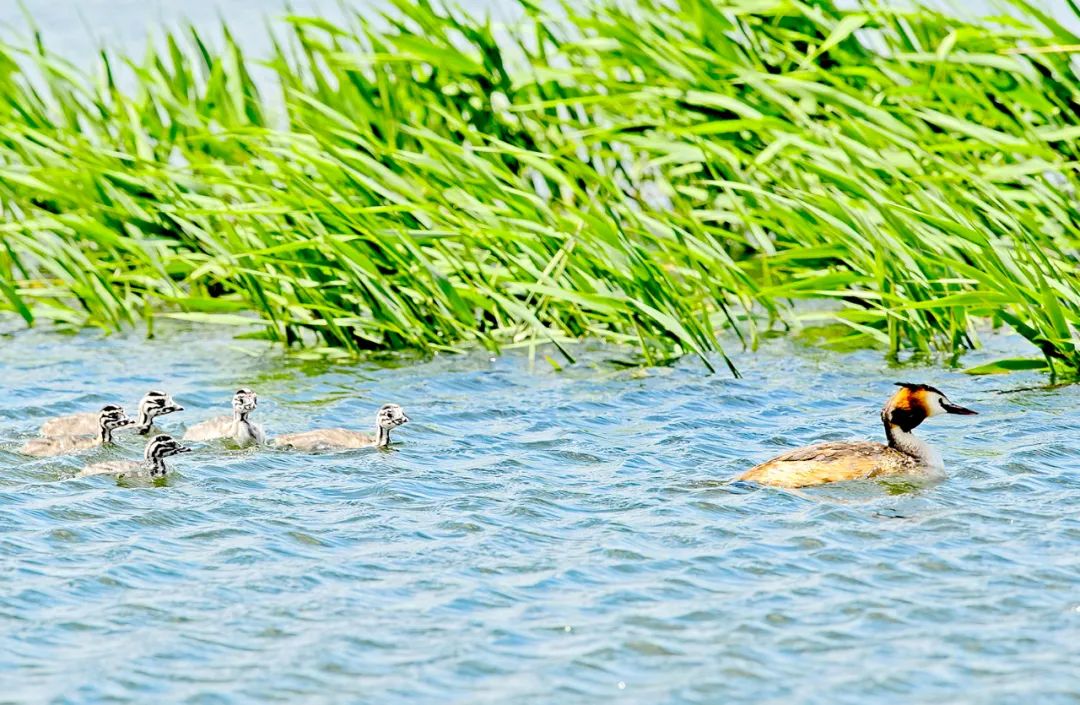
(534,536)
(78,28)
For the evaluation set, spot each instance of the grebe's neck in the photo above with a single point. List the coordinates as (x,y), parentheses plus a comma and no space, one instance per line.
(382,436)
(157,467)
(106,435)
(907,443)
(244,430)
(142,426)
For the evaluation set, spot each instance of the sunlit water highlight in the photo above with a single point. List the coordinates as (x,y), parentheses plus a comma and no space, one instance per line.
(534,537)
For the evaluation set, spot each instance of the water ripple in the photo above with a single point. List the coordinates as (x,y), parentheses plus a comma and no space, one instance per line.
(534,537)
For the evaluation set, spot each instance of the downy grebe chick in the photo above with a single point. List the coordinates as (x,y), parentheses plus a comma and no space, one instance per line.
(389,417)
(110,418)
(157,449)
(860,460)
(238,427)
(152,404)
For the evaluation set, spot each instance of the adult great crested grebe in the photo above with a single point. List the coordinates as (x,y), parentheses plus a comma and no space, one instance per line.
(241,429)
(153,404)
(860,460)
(389,417)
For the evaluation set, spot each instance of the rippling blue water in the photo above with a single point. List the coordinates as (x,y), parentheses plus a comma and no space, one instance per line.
(534,537)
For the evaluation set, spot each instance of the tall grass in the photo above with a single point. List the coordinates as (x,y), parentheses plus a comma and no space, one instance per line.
(647,174)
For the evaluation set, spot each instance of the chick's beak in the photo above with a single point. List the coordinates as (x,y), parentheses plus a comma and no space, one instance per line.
(954,409)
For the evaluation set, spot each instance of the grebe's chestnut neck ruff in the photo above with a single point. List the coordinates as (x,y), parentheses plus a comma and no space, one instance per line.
(909,407)
(858,460)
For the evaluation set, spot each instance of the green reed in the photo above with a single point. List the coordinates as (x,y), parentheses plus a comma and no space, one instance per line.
(647,174)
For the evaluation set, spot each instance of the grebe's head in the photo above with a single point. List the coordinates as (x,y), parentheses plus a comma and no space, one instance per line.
(155,403)
(245,400)
(914,403)
(113,417)
(391,416)
(162,446)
